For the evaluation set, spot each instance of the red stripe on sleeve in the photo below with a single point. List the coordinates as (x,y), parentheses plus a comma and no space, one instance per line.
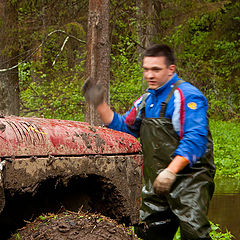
(131,117)
(182,113)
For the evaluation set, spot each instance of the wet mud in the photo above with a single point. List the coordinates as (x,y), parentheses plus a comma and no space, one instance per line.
(70,225)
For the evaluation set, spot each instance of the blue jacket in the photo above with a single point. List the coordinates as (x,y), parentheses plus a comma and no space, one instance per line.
(187,109)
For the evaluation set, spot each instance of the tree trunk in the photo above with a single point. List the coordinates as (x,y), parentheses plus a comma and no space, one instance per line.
(98,58)
(148,15)
(9,84)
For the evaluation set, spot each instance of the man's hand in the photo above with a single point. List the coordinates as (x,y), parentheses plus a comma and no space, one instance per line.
(163,182)
(86,85)
(94,94)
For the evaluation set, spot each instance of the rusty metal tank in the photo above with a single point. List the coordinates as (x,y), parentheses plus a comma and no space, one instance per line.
(48,164)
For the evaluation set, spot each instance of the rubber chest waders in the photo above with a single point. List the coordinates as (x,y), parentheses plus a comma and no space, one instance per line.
(187,203)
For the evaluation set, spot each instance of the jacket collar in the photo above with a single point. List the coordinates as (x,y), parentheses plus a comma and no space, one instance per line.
(159,90)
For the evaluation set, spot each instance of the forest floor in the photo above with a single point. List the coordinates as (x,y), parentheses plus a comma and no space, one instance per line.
(71,225)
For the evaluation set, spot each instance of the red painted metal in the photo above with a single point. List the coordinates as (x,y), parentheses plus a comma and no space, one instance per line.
(20,136)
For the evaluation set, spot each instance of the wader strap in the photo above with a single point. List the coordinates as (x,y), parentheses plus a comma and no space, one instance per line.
(142,104)
(164,104)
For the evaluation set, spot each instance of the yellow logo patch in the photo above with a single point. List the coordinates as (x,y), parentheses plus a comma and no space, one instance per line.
(192,105)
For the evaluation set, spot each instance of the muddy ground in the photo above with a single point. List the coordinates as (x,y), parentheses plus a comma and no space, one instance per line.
(70,225)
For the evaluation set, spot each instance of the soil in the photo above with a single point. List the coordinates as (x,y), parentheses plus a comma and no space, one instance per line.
(70,225)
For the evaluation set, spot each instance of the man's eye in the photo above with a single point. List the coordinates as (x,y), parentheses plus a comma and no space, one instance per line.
(153,69)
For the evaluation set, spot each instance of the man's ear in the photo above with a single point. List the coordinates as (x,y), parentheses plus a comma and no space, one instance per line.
(171,69)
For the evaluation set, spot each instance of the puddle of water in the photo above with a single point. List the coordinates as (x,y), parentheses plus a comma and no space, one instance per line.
(224,210)
(225,205)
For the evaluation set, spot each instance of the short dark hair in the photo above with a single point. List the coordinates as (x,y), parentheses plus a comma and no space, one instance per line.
(160,50)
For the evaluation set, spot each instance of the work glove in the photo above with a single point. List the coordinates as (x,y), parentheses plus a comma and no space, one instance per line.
(94,94)
(163,182)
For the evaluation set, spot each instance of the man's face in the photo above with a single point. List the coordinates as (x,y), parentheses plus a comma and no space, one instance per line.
(156,72)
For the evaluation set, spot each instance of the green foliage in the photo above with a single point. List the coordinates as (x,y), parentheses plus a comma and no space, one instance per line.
(42,218)
(216,233)
(126,72)
(226,140)
(53,67)
(52,96)
(127,85)
(177,235)
(18,236)
(52,92)
(210,58)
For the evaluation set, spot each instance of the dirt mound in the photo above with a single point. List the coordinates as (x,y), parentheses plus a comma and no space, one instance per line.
(70,225)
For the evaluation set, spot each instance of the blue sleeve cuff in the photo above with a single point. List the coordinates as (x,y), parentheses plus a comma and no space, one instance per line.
(113,124)
(118,123)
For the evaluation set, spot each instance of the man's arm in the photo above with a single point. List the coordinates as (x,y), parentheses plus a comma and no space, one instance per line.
(116,121)
(105,112)
(95,95)
(166,178)
(177,164)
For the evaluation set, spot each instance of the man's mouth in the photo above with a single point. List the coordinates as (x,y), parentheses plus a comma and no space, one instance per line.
(152,82)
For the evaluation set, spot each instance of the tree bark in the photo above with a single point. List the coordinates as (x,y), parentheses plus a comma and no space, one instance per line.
(98,57)
(9,84)
(148,15)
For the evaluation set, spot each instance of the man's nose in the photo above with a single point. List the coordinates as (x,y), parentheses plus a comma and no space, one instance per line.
(149,74)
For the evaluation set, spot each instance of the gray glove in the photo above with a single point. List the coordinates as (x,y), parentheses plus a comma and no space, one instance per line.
(94,94)
(164,181)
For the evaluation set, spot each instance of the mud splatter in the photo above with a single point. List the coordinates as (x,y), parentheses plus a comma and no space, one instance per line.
(100,143)
(2,127)
(92,128)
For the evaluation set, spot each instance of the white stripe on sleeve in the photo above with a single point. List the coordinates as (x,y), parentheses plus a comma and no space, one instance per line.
(176,114)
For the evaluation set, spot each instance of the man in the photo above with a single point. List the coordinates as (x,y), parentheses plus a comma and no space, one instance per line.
(171,120)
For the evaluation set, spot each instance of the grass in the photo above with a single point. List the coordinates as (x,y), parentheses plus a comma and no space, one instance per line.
(226,140)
